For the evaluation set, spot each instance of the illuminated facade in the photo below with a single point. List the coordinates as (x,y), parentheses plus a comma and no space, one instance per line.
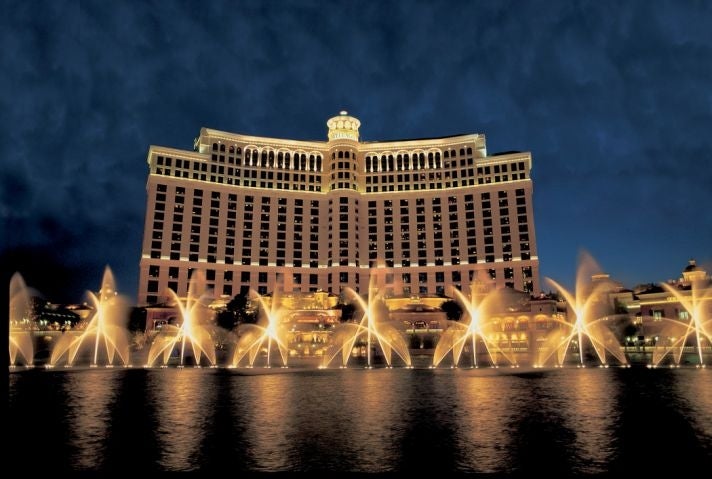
(655,309)
(259,213)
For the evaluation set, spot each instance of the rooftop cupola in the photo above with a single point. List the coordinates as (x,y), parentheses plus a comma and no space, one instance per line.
(343,127)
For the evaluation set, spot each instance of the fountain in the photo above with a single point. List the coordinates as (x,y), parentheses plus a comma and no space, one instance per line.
(478,308)
(589,320)
(20,329)
(679,331)
(269,329)
(194,328)
(372,325)
(106,328)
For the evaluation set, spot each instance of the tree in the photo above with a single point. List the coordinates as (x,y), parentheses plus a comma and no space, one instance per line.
(347,311)
(137,319)
(452,310)
(630,331)
(619,307)
(226,319)
(235,312)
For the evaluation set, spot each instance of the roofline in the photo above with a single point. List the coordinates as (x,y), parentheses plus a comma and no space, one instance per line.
(459,138)
(259,139)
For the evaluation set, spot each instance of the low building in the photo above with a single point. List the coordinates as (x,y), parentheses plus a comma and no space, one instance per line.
(663,313)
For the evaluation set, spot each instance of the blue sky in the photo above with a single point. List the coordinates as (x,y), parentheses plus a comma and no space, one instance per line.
(613,99)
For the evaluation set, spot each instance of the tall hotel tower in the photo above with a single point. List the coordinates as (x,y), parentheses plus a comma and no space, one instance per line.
(421,215)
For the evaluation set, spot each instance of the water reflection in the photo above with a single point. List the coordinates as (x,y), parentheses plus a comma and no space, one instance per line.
(481,434)
(89,396)
(329,420)
(184,400)
(694,388)
(376,426)
(587,398)
(265,403)
(566,421)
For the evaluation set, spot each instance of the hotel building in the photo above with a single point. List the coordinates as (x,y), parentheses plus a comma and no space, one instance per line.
(416,217)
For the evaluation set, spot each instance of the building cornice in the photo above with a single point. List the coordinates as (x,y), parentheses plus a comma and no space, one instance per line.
(423,143)
(166,150)
(263,140)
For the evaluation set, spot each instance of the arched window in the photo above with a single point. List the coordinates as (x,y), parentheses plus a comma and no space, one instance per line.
(222,147)
(215,147)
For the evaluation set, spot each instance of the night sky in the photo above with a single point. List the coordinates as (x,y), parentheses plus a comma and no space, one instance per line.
(613,99)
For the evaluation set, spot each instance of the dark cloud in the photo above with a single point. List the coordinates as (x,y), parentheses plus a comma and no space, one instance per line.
(612,98)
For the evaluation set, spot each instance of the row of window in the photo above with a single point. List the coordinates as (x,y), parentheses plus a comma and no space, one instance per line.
(228,276)
(433,182)
(163,231)
(232,176)
(450,153)
(415,160)
(218,173)
(405,280)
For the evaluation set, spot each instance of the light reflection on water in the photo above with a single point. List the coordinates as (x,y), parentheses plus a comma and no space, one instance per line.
(694,391)
(584,401)
(182,399)
(580,421)
(264,411)
(89,394)
(482,436)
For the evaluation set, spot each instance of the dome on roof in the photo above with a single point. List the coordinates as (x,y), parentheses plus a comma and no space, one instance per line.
(692,266)
(343,127)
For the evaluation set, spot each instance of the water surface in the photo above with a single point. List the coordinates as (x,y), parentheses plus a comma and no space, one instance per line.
(381,420)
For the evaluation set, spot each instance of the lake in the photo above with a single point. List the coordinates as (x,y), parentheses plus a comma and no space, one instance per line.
(507,421)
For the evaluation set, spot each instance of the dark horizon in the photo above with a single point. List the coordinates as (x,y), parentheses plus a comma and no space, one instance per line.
(615,108)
